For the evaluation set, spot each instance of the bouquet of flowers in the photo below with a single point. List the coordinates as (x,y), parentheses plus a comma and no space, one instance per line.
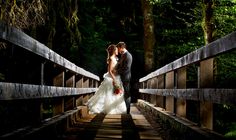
(117,88)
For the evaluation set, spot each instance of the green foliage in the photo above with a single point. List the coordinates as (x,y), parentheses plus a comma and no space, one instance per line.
(2,77)
(23,14)
(178,30)
(225,24)
(225,122)
(101,24)
(225,17)
(61,32)
(160,1)
(226,67)
(93,28)
(232,131)
(47,108)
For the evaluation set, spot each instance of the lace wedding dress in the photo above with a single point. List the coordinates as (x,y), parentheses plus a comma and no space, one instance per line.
(105,100)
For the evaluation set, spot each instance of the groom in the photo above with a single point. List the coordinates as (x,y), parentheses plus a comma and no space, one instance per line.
(124,69)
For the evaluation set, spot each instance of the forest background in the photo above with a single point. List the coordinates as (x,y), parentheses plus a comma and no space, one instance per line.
(155,31)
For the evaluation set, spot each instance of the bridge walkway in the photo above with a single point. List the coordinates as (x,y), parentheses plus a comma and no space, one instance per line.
(103,127)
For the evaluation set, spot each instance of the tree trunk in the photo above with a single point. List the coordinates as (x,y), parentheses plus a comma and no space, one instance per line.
(51,24)
(208,22)
(207,66)
(149,36)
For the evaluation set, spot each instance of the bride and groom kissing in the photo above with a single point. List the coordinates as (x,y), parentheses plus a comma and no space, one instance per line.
(113,95)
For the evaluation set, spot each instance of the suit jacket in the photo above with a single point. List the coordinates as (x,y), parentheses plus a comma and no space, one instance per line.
(124,66)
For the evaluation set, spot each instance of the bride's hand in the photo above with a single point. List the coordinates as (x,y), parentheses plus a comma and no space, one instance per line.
(114,82)
(114,71)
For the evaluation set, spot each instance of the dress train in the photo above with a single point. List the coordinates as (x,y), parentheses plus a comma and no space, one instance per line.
(105,100)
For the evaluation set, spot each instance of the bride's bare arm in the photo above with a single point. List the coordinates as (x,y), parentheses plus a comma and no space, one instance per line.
(110,68)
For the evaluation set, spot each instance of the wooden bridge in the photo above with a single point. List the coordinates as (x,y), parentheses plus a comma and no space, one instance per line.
(161,112)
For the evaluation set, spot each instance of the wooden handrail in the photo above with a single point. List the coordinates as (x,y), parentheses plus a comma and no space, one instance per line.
(167,87)
(213,49)
(19,38)
(12,91)
(69,88)
(219,96)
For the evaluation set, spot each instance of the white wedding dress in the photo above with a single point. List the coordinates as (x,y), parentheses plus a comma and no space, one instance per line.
(105,100)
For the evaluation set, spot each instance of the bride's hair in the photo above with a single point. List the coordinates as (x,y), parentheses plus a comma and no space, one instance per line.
(110,51)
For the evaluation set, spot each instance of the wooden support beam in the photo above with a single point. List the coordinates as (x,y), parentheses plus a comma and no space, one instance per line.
(219,96)
(79,81)
(206,81)
(181,84)
(86,82)
(70,82)
(170,85)
(59,80)
(154,83)
(161,85)
(58,106)
(12,91)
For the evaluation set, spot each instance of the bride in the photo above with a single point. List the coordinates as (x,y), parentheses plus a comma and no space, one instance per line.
(109,98)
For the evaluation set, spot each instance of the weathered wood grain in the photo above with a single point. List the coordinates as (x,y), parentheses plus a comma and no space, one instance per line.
(187,129)
(12,91)
(213,49)
(19,38)
(220,96)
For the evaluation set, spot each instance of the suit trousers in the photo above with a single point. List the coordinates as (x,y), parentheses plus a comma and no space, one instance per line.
(127,95)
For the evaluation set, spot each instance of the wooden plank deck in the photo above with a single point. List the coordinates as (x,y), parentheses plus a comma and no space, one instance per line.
(105,127)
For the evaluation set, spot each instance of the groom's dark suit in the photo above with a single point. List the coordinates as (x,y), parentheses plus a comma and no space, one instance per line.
(124,69)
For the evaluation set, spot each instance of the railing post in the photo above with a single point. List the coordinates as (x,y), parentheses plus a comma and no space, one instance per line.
(58,80)
(161,85)
(141,85)
(58,105)
(86,85)
(96,83)
(148,96)
(42,73)
(143,96)
(181,84)
(170,85)
(154,83)
(70,82)
(206,81)
(79,84)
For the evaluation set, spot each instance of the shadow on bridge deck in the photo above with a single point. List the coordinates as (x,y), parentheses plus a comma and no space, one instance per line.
(126,126)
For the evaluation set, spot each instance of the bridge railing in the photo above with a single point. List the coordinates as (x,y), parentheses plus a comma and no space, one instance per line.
(37,83)
(167,87)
